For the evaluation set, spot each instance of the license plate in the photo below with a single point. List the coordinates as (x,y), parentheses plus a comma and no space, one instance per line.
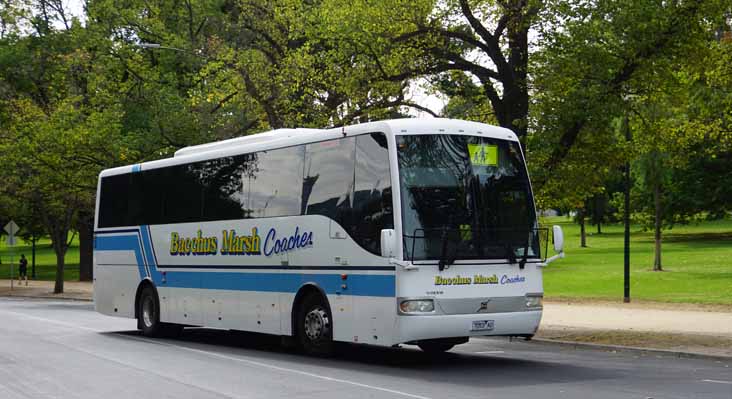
(482,325)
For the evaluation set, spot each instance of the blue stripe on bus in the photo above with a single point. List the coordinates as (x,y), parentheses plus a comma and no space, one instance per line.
(147,250)
(122,243)
(136,168)
(357,284)
(276,267)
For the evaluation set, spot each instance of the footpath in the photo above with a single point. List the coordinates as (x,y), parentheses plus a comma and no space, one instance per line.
(680,329)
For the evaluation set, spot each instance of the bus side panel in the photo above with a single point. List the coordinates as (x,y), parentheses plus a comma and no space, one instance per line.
(256,311)
(375,319)
(183,305)
(116,278)
(341,306)
(228,309)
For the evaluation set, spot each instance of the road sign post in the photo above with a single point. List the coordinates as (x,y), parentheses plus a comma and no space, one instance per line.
(11,228)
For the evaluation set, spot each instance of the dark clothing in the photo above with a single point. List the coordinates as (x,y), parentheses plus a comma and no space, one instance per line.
(23,269)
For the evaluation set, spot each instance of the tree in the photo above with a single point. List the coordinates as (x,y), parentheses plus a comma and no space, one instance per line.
(679,128)
(63,123)
(597,54)
(482,42)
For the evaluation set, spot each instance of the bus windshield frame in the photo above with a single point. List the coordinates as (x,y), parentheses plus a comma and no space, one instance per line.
(465,198)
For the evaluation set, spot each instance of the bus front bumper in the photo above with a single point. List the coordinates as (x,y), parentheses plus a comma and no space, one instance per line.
(417,327)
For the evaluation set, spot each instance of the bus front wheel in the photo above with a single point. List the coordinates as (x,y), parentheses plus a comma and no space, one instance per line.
(315,326)
(434,346)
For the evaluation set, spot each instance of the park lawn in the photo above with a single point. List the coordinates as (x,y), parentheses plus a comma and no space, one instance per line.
(45,260)
(697,259)
(697,262)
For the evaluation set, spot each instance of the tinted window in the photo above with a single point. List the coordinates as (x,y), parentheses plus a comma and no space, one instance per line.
(145,198)
(329,179)
(372,205)
(273,183)
(182,189)
(223,189)
(346,180)
(113,204)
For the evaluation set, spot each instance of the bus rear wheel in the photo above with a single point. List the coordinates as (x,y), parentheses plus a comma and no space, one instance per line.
(315,326)
(148,316)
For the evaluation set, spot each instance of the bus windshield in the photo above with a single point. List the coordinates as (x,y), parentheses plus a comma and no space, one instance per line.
(465,197)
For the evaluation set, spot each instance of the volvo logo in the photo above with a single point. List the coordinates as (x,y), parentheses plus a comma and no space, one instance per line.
(483,306)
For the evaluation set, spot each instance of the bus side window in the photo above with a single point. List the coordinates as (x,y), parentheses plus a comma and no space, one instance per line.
(182,193)
(272,183)
(223,197)
(113,203)
(372,205)
(328,179)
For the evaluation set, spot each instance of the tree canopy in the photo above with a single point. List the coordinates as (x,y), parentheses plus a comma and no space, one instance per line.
(132,80)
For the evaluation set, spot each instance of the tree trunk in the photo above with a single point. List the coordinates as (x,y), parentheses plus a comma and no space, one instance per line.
(86,240)
(58,238)
(34,239)
(59,287)
(599,212)
(657,202)
(583,233)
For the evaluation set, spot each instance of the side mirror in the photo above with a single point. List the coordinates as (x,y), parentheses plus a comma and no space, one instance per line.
(388,243)
(558,238)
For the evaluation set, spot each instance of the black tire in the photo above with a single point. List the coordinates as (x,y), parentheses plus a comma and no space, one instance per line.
(148,316)
(435,347)
(315,326)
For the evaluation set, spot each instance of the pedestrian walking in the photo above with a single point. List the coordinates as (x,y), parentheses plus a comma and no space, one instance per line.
(23,269)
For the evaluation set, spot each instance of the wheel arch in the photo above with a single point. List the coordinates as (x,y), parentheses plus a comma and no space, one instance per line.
(305,290)
(146,282)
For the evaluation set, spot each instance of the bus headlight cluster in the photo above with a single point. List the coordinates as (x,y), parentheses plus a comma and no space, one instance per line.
(533,301)
(417,306)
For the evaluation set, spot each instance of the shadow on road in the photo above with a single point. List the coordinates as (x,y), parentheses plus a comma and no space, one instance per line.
(473,370)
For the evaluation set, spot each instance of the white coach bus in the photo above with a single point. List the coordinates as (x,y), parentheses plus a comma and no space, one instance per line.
(415,231)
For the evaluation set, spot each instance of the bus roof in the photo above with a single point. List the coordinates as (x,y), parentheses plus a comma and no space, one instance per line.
(406,125)
(288,137)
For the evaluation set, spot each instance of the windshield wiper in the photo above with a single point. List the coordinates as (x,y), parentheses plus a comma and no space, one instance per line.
(444,261)
(525,256)
(522,262)
(510,254)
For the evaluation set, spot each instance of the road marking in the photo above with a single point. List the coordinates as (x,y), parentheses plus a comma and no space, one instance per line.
(295,371)
(51,321)
(213,354)
(489,352)
(718,382)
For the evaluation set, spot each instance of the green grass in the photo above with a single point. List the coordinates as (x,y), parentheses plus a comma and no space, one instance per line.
(45,260)
(697,262)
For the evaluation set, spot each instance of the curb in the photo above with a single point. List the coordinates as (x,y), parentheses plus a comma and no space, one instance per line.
(630,349)
(65,298)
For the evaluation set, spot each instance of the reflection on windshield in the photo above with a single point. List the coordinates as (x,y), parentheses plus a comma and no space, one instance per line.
(465,197)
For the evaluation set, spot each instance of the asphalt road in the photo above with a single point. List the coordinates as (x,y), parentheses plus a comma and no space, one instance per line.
(52,349)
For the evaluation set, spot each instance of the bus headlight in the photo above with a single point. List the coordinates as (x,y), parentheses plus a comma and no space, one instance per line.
(533,301)
(417,306)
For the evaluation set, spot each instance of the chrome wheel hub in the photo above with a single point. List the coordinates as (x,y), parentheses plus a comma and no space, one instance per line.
(317,324)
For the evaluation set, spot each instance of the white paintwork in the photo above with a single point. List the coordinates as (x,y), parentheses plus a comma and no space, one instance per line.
(388,243)
(356,318)
(410,328)
(558,238)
